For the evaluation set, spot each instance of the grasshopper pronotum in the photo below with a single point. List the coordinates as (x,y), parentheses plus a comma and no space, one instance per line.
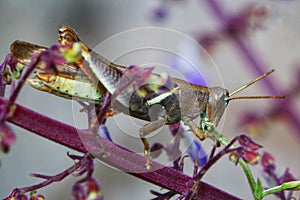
(184,101)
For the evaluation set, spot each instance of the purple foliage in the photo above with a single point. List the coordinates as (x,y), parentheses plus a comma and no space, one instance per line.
(272,177)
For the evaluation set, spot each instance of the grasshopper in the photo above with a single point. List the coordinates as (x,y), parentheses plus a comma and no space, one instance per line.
(183,102)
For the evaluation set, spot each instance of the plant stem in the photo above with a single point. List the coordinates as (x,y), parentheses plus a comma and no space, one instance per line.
(35,59)
(120,157)
(224,141)
(292,185)
(51,179)
(7,58)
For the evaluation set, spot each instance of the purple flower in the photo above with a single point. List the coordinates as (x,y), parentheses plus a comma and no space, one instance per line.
(247,150)
(16,194)
(189,64)
(89,189)
(78,192)
(196,151)
(158,11)
(14,69)
(52,57)
(272,178)
(37,197)
(93,185)
(132,74)
(247,143)
(269,167)
(267,162)
(7,137)
(58,55)
(136,74)
(286,177)
(251,157)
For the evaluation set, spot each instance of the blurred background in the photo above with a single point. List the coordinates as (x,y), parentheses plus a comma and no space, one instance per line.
(276,42)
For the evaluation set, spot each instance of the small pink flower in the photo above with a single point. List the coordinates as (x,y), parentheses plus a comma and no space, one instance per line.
(93,185)
(246,142)
(88,189)
(16,194)
(37,197)
(251,157)
(78,192)
(247,150)
(267,161)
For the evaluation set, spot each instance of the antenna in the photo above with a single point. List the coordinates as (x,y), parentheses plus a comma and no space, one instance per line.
(249,84)
(256,97)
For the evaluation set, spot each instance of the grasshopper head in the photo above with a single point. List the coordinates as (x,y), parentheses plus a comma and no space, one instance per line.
(219,98)
(217,103)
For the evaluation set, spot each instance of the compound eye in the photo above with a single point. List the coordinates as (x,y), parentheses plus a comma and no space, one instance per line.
(226,96)
(226,93)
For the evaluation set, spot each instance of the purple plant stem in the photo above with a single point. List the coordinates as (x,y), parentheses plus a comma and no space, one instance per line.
(7,58)
(16,91)
(104,108)
(215,158)
(208,165)
(51,179)
(120,157)
(256,63)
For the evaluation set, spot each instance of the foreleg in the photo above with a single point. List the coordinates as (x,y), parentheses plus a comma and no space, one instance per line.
(144,131)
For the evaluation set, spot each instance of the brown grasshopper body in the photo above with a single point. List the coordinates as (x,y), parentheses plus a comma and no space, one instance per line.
(184,101)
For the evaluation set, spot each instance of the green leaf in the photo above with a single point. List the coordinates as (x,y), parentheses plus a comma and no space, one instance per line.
(258,193)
